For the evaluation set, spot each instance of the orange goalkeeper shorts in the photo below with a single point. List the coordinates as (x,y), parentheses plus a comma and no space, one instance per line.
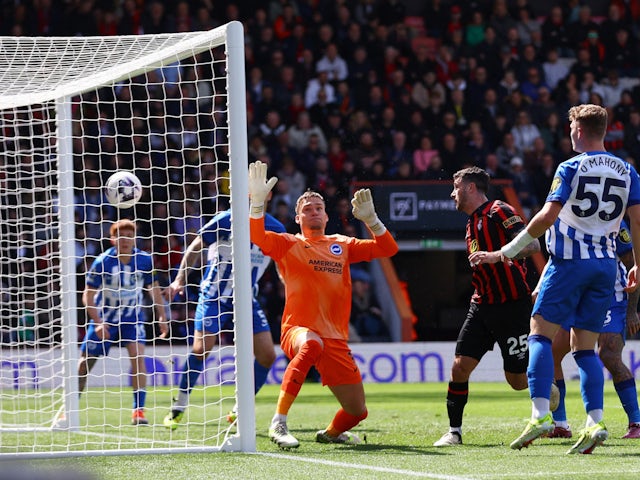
(336,364)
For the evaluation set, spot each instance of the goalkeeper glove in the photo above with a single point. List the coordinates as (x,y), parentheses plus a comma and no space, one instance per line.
(364,210)
(259,188)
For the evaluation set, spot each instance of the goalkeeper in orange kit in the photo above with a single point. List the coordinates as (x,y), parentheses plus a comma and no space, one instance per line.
(315,324)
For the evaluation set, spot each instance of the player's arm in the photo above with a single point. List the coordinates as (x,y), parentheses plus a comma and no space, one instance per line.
(633,322)
(88,299)
(160,307)
(259,189)
(539,224)
(190,257)
(383,244)
(634,222)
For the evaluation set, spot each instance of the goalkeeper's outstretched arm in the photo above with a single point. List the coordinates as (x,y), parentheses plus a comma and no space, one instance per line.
(364,210)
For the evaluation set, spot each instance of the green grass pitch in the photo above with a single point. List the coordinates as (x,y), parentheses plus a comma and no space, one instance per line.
(404,421)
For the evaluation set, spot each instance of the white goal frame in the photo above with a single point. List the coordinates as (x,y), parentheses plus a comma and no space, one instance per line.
(23,83)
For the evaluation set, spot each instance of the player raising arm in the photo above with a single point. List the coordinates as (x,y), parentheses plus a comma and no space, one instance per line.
(215,306)
(112,296)
(581,217)
(315,324)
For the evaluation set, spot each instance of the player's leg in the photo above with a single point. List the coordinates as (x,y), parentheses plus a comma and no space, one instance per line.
(555,301)
(133,337)
(203,342)
(560,346)
(138,382)
(340,373)
(474,340)
(304,348)
(93,346)
(263,349)
(509,324)
(589,322)
(610,347)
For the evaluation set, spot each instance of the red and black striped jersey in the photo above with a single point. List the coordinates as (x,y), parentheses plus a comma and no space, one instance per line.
(490,227)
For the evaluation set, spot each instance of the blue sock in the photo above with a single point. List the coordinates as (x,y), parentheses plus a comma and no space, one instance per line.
(139,399)
(192,369)
(628,395)
(560,413)
(540,369)
(591,379)
(259,375)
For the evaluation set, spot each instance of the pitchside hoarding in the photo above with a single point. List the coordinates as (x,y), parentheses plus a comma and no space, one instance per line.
(378,362)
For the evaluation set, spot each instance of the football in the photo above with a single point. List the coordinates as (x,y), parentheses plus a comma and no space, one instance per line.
(123,189)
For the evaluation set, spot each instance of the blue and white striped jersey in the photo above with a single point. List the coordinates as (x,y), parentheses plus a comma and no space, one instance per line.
(120,286)
(623,245)
(595,189)
(217,283)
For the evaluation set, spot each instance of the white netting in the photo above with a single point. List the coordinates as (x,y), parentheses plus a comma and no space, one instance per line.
(72,112)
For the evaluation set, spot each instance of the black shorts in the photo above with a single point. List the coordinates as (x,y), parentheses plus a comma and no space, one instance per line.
(505,323)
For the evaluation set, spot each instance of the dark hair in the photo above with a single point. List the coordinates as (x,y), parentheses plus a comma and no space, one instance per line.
(474,175)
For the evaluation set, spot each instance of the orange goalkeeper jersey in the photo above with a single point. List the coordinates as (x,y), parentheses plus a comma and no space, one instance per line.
(316,275)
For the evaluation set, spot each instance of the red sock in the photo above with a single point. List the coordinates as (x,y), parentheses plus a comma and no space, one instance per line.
(296,373)
(343,421)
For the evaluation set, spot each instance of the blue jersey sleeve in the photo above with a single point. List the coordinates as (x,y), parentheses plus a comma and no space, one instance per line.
(634,191)
(561,186)
(623,240)
(94,275)
(216,228)
(273,225)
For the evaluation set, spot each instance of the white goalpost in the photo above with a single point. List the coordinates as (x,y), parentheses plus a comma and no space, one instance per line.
(171,108)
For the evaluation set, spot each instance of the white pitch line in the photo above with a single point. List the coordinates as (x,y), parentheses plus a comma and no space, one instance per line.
(408,473)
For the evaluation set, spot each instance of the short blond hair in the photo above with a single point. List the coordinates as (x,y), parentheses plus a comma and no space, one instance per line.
(124,224)
(593,119)
(305,196)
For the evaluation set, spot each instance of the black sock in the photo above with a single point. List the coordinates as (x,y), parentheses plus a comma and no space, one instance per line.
(457,395)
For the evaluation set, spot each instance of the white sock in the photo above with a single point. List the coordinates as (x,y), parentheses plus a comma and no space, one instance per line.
(562,424)
(594,416)
(539,407)
(456,429)
(278,418)
(182,401)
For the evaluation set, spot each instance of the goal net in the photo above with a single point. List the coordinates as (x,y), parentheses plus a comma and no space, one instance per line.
(170,108)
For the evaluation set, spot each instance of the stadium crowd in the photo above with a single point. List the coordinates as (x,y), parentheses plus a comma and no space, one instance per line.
(357,90)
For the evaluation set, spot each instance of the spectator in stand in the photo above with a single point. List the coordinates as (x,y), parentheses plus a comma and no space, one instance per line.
(524,132)
(523,185)
(554,69)
(622,54)
(435,16)
(397,153)
(552,131)
(615,21)
(423,155)
(474,30)
(631,140)
(595,46)
(301,132)
(507,150)
(543,176)
(528,26)
(555,32)
(366,313)
(452,154)
(578,30)
(320,83)
(611,88)
(297,181)
(333,64)
(436,170)
(494,169)
(284,23)
(532,84)
(487,53)
(543,106)
(614,137)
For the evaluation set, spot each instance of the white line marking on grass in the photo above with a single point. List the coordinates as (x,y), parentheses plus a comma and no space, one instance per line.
(409,473)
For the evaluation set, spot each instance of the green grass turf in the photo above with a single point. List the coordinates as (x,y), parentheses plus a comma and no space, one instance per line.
(404,421)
